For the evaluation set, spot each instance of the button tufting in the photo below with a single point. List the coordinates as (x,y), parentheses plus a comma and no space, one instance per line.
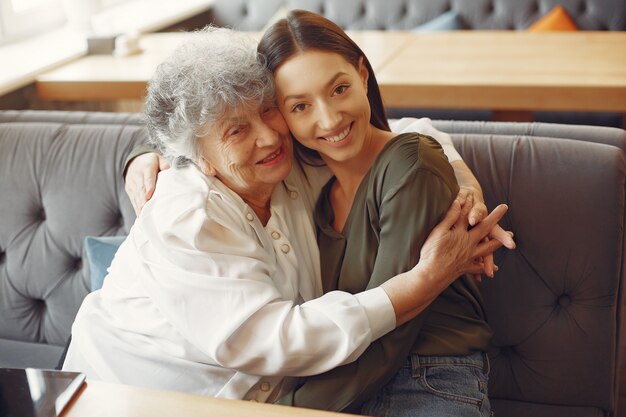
(2,256)
(404,10)
(507,350)
(564,300)
(39,304)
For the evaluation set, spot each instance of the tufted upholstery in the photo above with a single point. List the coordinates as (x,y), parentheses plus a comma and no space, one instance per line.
(407,14)
(60,180)
(606,135)
(555,306)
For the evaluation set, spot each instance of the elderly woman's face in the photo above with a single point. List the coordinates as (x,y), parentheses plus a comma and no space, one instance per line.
(248,150)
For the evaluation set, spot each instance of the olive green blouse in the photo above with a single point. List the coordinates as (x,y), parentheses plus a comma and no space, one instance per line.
(405,194)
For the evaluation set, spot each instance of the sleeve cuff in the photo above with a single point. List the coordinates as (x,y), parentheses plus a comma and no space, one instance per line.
(379,311)
(425,127)
(138,150)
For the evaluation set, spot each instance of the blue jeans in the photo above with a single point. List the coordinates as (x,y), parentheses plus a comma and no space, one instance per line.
(435,386)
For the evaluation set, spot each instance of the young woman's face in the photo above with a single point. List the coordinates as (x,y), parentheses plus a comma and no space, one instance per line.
(323,99)
(248,150)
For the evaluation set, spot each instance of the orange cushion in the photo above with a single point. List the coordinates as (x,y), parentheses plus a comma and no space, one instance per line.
(555,20)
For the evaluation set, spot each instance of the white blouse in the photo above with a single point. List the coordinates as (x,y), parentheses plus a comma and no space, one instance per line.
(425,126)
(202,298)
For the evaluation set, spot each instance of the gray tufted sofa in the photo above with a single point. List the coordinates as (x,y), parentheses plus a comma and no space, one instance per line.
(407,14)
(60,180)
(555,306)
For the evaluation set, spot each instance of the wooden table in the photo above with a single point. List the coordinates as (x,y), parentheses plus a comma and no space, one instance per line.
(106,77)
(507,71)
(583,71)
(111,400)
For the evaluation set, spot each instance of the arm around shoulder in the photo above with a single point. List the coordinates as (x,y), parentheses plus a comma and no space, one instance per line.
(140,173)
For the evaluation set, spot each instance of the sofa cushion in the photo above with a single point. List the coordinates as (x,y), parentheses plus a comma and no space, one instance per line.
(100,252)
(65,182)
(446,21)
(556,19)
(15,354)
(596,134)
(557,298)
(408,14)
(525,409)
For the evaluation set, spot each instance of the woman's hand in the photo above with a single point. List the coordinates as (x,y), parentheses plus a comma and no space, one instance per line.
(450,251)
(141,177)
(473,198)
(472,201)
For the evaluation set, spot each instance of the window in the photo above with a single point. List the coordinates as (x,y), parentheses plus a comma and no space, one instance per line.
(108,3)
(22,18)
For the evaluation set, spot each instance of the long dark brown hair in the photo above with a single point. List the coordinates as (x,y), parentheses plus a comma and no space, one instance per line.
(302,30)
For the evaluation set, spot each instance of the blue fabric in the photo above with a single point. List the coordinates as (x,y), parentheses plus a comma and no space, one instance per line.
(442,386)
(447,21)
(100,252)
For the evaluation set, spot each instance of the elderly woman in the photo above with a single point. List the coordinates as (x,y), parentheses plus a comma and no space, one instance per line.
(217,289)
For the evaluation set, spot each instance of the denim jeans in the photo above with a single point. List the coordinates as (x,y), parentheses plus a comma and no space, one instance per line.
(435,386)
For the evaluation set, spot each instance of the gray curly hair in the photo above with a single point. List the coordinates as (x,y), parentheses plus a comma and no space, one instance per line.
(216,70)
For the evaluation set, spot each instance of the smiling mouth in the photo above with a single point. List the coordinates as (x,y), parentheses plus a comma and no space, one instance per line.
(341,136)
(271,157)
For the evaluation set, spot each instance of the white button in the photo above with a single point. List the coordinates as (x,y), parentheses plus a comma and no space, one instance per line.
(293,195)
(249,216)
(284,248)
(265,386)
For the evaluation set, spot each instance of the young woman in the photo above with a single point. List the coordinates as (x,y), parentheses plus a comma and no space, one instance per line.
(373,217)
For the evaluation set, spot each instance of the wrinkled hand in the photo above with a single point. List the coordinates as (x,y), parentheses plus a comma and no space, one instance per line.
(472,197)
(472,202)
(141,177)
(452,250)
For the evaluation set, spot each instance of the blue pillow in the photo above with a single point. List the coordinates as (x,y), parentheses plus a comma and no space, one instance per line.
(448,21)
(100,251)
